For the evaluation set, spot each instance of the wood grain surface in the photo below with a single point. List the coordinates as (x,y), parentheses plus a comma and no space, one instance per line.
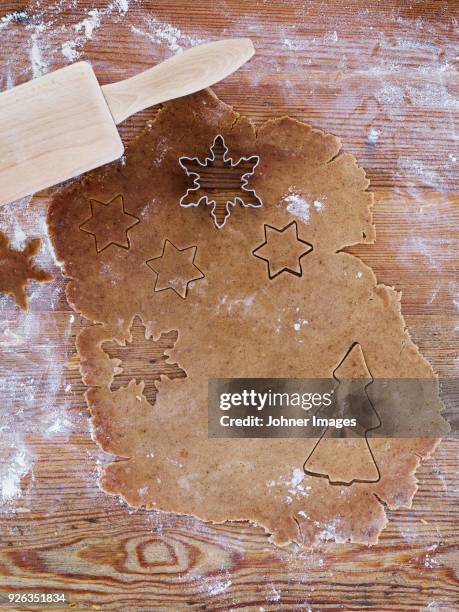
(383,77)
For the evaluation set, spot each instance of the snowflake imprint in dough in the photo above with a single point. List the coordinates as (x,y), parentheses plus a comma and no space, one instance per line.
(143,359)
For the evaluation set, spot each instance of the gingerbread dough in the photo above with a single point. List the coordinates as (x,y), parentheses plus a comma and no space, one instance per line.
(17,269)
(270,294)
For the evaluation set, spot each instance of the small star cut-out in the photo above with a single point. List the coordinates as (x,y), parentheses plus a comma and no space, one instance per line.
(175,268)
(17,269)
(282,250)
(109,223)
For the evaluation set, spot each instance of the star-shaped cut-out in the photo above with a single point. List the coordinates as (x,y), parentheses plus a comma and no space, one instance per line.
(282,250)
(175,268)
(109,223)
(17,269)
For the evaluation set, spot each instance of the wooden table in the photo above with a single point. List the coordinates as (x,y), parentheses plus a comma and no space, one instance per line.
(383,76)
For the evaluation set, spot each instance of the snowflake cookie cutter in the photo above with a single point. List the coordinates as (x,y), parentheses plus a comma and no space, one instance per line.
(231,203)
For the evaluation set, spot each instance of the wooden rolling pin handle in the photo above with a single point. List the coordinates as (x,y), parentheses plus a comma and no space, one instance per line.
(180,75)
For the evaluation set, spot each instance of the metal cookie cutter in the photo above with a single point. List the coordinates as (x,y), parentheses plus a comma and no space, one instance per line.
(221,207)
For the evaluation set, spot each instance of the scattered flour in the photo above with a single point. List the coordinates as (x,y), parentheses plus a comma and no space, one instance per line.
(123,6)
(85,29)
(47,35)
(319,206)
(245,303)
(18,238)
(17,462)
(373,136)
(33,358)
(165,34)
(293,42)
(273,594)
(38,64)
(299,324)
(14,17)
(214,585)
(296,205)
(328,531)
(297,477)
(90,24)
(69,51)
(331,37)
(293,485)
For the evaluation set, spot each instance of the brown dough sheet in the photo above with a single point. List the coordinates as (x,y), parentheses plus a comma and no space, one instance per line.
(236,322)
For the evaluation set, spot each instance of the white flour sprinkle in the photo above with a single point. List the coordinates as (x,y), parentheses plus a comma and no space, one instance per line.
(85,29)
(165,34)
(39,65)
(246,303)
(32,371)
(373,136)
(14,17)
(13,469)
(319,206)
(296,205)
(331,37)
(297,477)
(293,45)
(214,585)
(273,595)
(88,25)
(47,36)
(69,51)
(122,5)
(329,531)
(220,587)
(18,238)
(299,324)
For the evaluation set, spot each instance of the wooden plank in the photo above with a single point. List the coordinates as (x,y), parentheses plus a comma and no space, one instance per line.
(382,77)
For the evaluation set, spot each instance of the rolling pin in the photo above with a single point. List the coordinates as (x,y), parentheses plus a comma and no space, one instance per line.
(63,124)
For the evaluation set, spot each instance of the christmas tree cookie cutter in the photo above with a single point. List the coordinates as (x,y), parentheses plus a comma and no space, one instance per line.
(220,211)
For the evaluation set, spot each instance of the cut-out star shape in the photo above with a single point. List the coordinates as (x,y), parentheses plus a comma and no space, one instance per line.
(175,268)
(109,223)
(17,269)
(282,250)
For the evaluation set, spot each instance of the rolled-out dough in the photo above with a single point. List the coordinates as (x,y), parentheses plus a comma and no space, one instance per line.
(270,294)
